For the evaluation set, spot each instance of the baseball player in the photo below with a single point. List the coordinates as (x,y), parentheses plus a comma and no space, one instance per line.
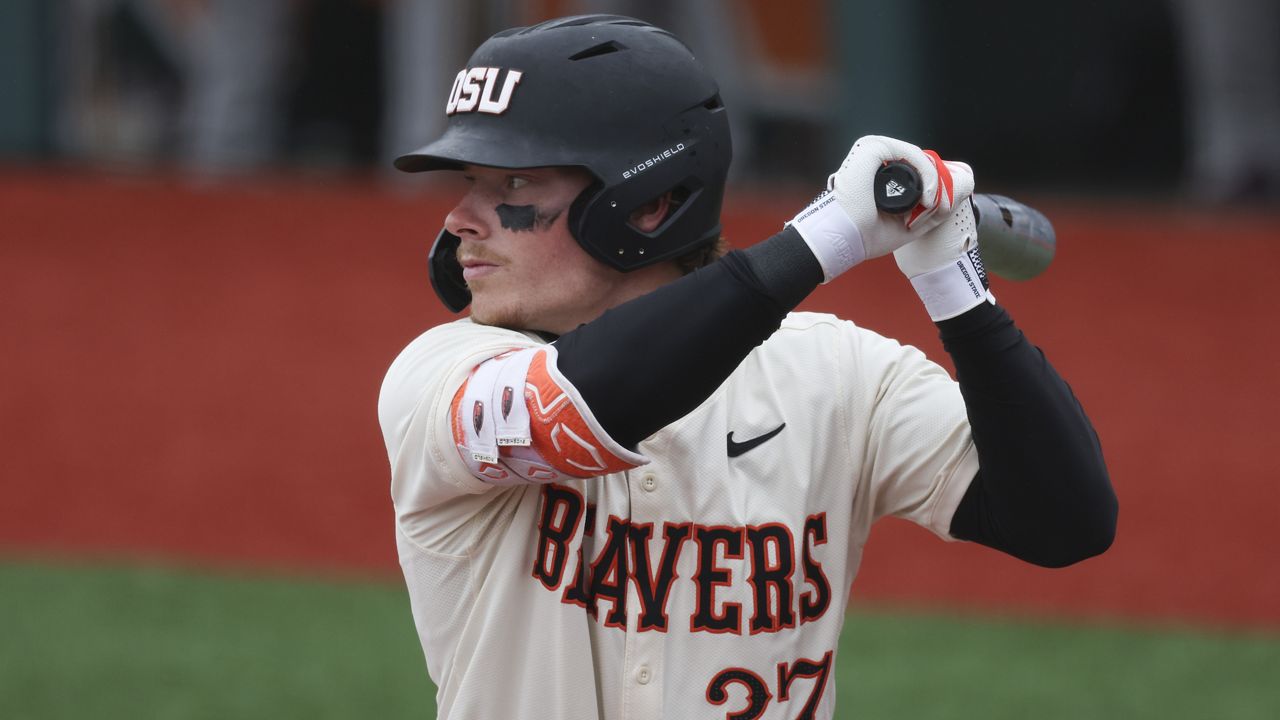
(632,483)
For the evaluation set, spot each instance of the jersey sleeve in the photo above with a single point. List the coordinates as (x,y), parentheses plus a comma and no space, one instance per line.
(414,411)
(518,420)
(919,456)
(466,409)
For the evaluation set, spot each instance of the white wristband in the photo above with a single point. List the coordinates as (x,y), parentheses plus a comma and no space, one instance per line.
(831,235)
(954,288)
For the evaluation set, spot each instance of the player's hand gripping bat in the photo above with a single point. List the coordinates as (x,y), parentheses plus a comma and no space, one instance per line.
(1017,242)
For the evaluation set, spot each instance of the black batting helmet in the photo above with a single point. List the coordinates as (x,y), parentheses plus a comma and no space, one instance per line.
(619,97)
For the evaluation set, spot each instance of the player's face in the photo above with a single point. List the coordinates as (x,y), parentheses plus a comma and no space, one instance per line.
(524,269)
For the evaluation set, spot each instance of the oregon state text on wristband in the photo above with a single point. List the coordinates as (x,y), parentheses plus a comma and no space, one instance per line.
(953,288)
(831,235)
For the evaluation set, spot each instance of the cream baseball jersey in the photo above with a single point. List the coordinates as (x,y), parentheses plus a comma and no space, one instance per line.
(709,580)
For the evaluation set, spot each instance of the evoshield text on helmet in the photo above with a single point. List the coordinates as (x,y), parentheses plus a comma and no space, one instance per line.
(618,97)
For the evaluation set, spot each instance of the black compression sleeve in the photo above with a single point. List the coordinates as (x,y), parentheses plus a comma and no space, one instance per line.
(650,361)
(1043,493)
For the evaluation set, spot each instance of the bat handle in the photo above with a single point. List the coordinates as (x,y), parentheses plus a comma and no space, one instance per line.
(897,188)
(1017,241)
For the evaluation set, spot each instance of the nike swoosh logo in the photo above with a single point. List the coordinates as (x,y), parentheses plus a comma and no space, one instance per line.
(737,448)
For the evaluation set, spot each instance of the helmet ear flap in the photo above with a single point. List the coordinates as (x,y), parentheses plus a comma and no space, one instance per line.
(600,221)
(446,272)
(578,213)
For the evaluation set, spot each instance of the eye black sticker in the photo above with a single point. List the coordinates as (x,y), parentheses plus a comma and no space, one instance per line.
(525,218)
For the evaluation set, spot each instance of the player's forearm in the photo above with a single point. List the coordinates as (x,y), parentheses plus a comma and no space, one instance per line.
(651,361)
(1043,493)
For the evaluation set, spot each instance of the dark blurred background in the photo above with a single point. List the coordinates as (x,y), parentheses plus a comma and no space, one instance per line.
(1147,97)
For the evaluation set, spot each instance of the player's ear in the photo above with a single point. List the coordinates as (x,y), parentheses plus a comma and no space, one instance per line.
(649,216)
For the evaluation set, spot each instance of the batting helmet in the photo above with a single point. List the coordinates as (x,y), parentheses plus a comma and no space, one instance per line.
(619,97)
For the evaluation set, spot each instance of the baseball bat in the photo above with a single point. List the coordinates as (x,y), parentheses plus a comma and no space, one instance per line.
(1017,241)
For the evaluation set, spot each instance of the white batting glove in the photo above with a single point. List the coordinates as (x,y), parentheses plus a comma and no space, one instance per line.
(944,266)
(843,227)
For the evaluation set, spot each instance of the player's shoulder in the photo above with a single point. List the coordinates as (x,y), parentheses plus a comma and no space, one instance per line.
(820,326)
(806,337)
(815,322)
(463,337)
(809,332)
(464,328)
(447,352)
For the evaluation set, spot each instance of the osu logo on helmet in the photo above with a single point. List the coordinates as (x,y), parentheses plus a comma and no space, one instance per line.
(469,95)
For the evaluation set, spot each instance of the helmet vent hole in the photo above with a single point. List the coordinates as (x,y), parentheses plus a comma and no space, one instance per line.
(605,48)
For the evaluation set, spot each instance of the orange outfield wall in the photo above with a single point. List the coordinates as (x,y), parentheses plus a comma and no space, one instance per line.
(192,373)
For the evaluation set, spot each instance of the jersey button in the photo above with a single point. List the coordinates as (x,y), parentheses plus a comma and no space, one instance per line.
(642,675)
(649,483)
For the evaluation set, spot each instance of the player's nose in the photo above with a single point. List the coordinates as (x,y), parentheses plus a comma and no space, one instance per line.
(467,218)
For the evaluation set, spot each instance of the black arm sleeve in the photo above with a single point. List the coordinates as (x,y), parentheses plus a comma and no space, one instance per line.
(1043,493)
(650,361)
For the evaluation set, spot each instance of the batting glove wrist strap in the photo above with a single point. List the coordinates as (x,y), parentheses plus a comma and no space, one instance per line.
(832,237)
(954,288)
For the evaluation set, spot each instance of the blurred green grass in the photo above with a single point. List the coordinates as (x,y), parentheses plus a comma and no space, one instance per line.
(108,642)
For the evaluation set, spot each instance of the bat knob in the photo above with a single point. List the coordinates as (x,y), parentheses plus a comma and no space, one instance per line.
(897,188)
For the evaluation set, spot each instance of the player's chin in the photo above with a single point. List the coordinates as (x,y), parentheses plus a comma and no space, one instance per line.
(486,309)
